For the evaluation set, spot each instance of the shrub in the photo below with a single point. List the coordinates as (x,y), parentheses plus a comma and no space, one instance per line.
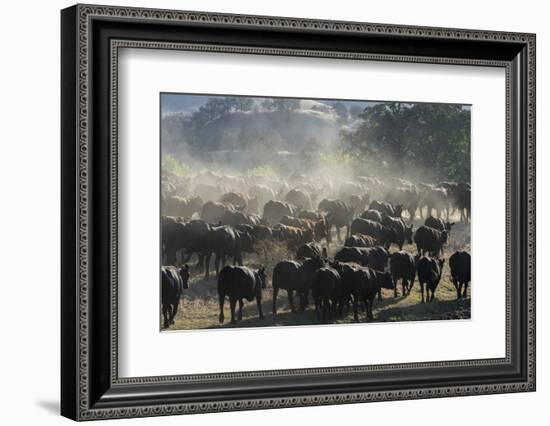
(171,164)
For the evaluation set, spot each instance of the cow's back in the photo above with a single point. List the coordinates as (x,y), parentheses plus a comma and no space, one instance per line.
(373,215)
(236,281)
(426,235)
(366,227)
(172,284)
(435,223)
(274,211)
(428,269)
(375,257)
(349,254)
(402,262)
(287,274)
(308,250)
(326,281)
(460,264)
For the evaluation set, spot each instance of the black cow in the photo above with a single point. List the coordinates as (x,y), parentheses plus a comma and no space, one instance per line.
(373,215)
(310,249)
(463,197)
(382,280)
(299,198)
(376,281)
(326,292)
(244,243)
(339,214)
(438,223)
(403,267)
(375,257)
(310,215)
(258,232)
(212,211)
(274,211)
(360,285)
(460,264)
(407,196)
(235,217)
(350,254)
(385,235)
(352,286)
(458,196)
(437,198)
(287,275)
(173,281)
(226,241)
(359,240)
(238,283)
(429,272)
(173,238)
(386,208)
(192,237)
(223,241)
(403,232)
(309,268)
(430,240)
(236,199)
(181,206)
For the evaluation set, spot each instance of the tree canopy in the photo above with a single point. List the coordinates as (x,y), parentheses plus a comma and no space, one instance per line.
(420,140)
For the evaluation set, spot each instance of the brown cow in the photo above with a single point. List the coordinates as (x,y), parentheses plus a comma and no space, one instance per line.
(318,228)
(294,236)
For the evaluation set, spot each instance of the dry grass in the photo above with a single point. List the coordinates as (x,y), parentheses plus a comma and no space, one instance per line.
(199,308)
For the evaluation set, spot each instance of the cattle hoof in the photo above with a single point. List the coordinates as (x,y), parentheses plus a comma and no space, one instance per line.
(261,317)
(221,318)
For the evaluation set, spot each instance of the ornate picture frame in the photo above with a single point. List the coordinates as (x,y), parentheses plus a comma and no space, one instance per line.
(91,386)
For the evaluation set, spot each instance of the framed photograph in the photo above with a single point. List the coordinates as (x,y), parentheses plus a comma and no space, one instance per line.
(263,212)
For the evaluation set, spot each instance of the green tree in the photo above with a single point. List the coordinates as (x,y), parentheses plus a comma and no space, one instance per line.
(423,141)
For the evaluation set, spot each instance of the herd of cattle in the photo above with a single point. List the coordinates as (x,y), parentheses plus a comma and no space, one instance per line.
(230,217)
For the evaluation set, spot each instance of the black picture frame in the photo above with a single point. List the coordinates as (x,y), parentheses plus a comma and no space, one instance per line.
(90,386)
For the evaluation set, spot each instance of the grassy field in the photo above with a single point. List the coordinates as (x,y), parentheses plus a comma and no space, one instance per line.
(199,307)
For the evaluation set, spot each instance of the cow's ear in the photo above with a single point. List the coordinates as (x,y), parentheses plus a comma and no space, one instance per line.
(186,267)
